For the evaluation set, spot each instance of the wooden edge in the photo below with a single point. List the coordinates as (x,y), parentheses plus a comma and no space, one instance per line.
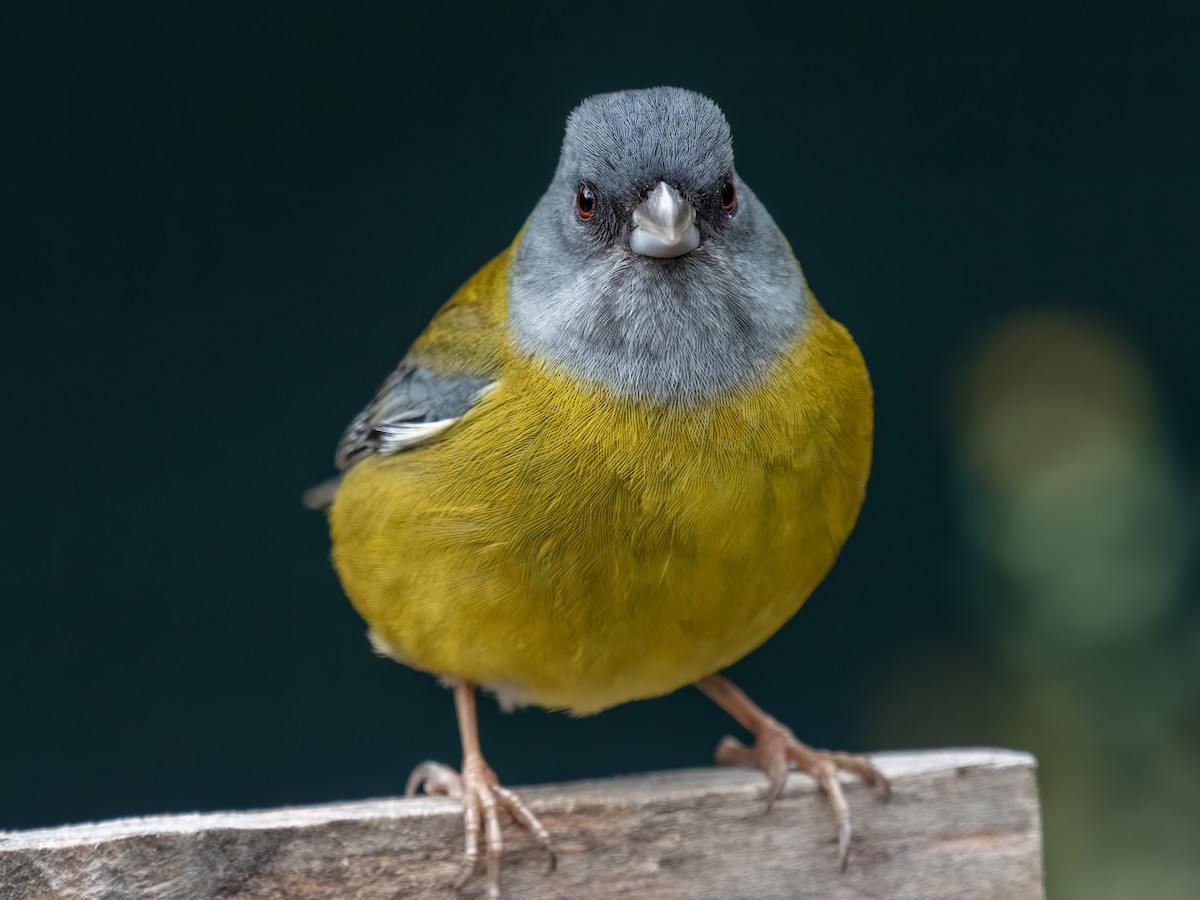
(962,823)
(895,765)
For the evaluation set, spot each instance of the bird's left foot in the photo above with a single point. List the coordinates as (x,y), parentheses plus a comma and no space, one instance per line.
(777,750)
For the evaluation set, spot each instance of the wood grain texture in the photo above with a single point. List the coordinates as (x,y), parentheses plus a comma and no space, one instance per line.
(960,824)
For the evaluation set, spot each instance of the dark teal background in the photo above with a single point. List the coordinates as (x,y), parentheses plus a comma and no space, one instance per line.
(225,223)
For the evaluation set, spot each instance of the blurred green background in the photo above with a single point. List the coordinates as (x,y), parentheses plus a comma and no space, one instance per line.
(225,223)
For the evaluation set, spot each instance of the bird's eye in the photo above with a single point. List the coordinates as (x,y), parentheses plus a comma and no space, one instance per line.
(728,195)
(585,202)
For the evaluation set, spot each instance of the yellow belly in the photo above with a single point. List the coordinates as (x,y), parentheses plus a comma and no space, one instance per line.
(580,550)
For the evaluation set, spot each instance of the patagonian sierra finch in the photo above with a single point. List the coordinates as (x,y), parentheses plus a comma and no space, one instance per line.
(619,458)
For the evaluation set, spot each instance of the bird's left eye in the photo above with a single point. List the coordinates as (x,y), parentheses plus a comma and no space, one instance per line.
(585,202)
(728,195)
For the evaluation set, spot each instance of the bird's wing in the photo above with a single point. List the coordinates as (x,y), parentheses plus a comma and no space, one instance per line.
(448,369)
(414,405)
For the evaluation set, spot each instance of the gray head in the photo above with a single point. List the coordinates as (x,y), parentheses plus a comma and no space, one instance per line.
(649,266)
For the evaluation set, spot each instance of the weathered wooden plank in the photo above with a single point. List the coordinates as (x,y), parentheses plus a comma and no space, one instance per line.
(960,824)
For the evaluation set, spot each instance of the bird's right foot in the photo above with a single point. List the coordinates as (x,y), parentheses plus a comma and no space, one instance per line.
(482,797)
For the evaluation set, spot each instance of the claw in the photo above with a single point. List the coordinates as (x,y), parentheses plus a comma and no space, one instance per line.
(844,833)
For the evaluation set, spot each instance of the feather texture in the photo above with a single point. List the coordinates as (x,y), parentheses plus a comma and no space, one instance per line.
(579,548)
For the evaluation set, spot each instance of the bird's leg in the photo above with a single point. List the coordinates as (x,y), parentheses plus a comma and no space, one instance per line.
(776,750)
(482,797)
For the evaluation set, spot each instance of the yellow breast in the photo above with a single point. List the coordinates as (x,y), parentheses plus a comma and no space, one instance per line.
(579,550)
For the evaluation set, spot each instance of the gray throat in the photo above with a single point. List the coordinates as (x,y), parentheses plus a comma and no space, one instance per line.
(664,330)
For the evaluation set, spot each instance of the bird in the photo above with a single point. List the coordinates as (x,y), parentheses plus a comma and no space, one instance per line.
(618,459)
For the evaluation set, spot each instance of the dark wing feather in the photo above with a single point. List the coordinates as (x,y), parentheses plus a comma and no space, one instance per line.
(413,405)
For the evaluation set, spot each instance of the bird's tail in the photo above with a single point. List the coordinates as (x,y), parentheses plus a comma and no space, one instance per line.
(321,496)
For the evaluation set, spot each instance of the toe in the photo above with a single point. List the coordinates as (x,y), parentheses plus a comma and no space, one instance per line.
(768,755)
(434,778)
(857,764)
(524,817)
(493,839)
(774,763)
(471,823)
(732,752)
(826,774)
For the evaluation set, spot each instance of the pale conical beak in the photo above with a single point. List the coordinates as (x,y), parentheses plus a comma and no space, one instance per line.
(664,225)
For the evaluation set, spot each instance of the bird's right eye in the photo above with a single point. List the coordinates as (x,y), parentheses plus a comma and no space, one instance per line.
(585,202)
